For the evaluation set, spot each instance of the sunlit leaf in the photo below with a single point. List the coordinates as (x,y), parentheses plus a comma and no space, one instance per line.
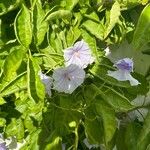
(23,27)
(142,31)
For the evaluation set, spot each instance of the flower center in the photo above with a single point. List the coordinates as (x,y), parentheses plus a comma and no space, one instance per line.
(124,66)
(77,54)
(67,76)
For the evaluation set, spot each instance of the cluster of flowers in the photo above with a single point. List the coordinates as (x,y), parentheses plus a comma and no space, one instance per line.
(77,58)
(67,79)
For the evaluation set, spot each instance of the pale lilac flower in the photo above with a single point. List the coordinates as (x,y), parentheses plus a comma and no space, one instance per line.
(125,67)
(67,79)
(3,146)
(12,143)
(47,81)
(79,54)
(2,143)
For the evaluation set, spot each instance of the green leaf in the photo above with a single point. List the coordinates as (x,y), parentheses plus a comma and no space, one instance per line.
(54,40)
(95,28)
(2,101)
(23,28)
(35,86)
(72,35)
(9,5)
(94,131)
(70,4)
(2,122)
(15,85)
(144,136)
(15,128)
(142,31)
(114,17)
(131,135)
(54,142)
(40,26)
(115,99)
(108,117)
(91,42)
(60,14)
(12,64)
(33,140)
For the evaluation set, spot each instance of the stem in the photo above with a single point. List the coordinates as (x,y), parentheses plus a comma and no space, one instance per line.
(139,107)
(76,138)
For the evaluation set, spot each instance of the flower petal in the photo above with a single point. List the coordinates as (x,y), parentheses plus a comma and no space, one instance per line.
(122,75)
(68,79)
(79,54)
(47,81)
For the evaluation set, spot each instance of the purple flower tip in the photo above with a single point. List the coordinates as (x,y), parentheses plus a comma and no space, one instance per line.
(125,64)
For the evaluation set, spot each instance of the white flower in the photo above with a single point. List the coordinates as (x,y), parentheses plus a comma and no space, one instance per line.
(125,67)
(79,54)
(47,81)
(67,79)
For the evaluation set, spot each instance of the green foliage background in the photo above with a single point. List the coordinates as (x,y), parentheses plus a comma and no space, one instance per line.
(33,35)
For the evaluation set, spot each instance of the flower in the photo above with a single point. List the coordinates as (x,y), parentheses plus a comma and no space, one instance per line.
(67,79)
(125,67)
(47,81)
(3,146)
(2,143)
(79,54)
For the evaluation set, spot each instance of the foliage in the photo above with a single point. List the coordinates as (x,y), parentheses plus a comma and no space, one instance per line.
(33,36)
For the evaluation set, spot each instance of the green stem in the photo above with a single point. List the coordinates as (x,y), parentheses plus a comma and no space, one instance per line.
(76,138)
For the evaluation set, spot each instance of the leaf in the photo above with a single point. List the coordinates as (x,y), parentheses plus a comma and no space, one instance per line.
(35,86)
(115,99)
(2,122)
(131,135)
(54,142)
(142,32)
(23,28)
(70,4)
(108,117)
(114,17)
(95,28)
(17,84)
(144,136)
(15,128)
(40,26)
(72,35)
(91,42)
(12,64)
(54,40)
(60,14)
(2,101)
(94,131)
(9,5)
